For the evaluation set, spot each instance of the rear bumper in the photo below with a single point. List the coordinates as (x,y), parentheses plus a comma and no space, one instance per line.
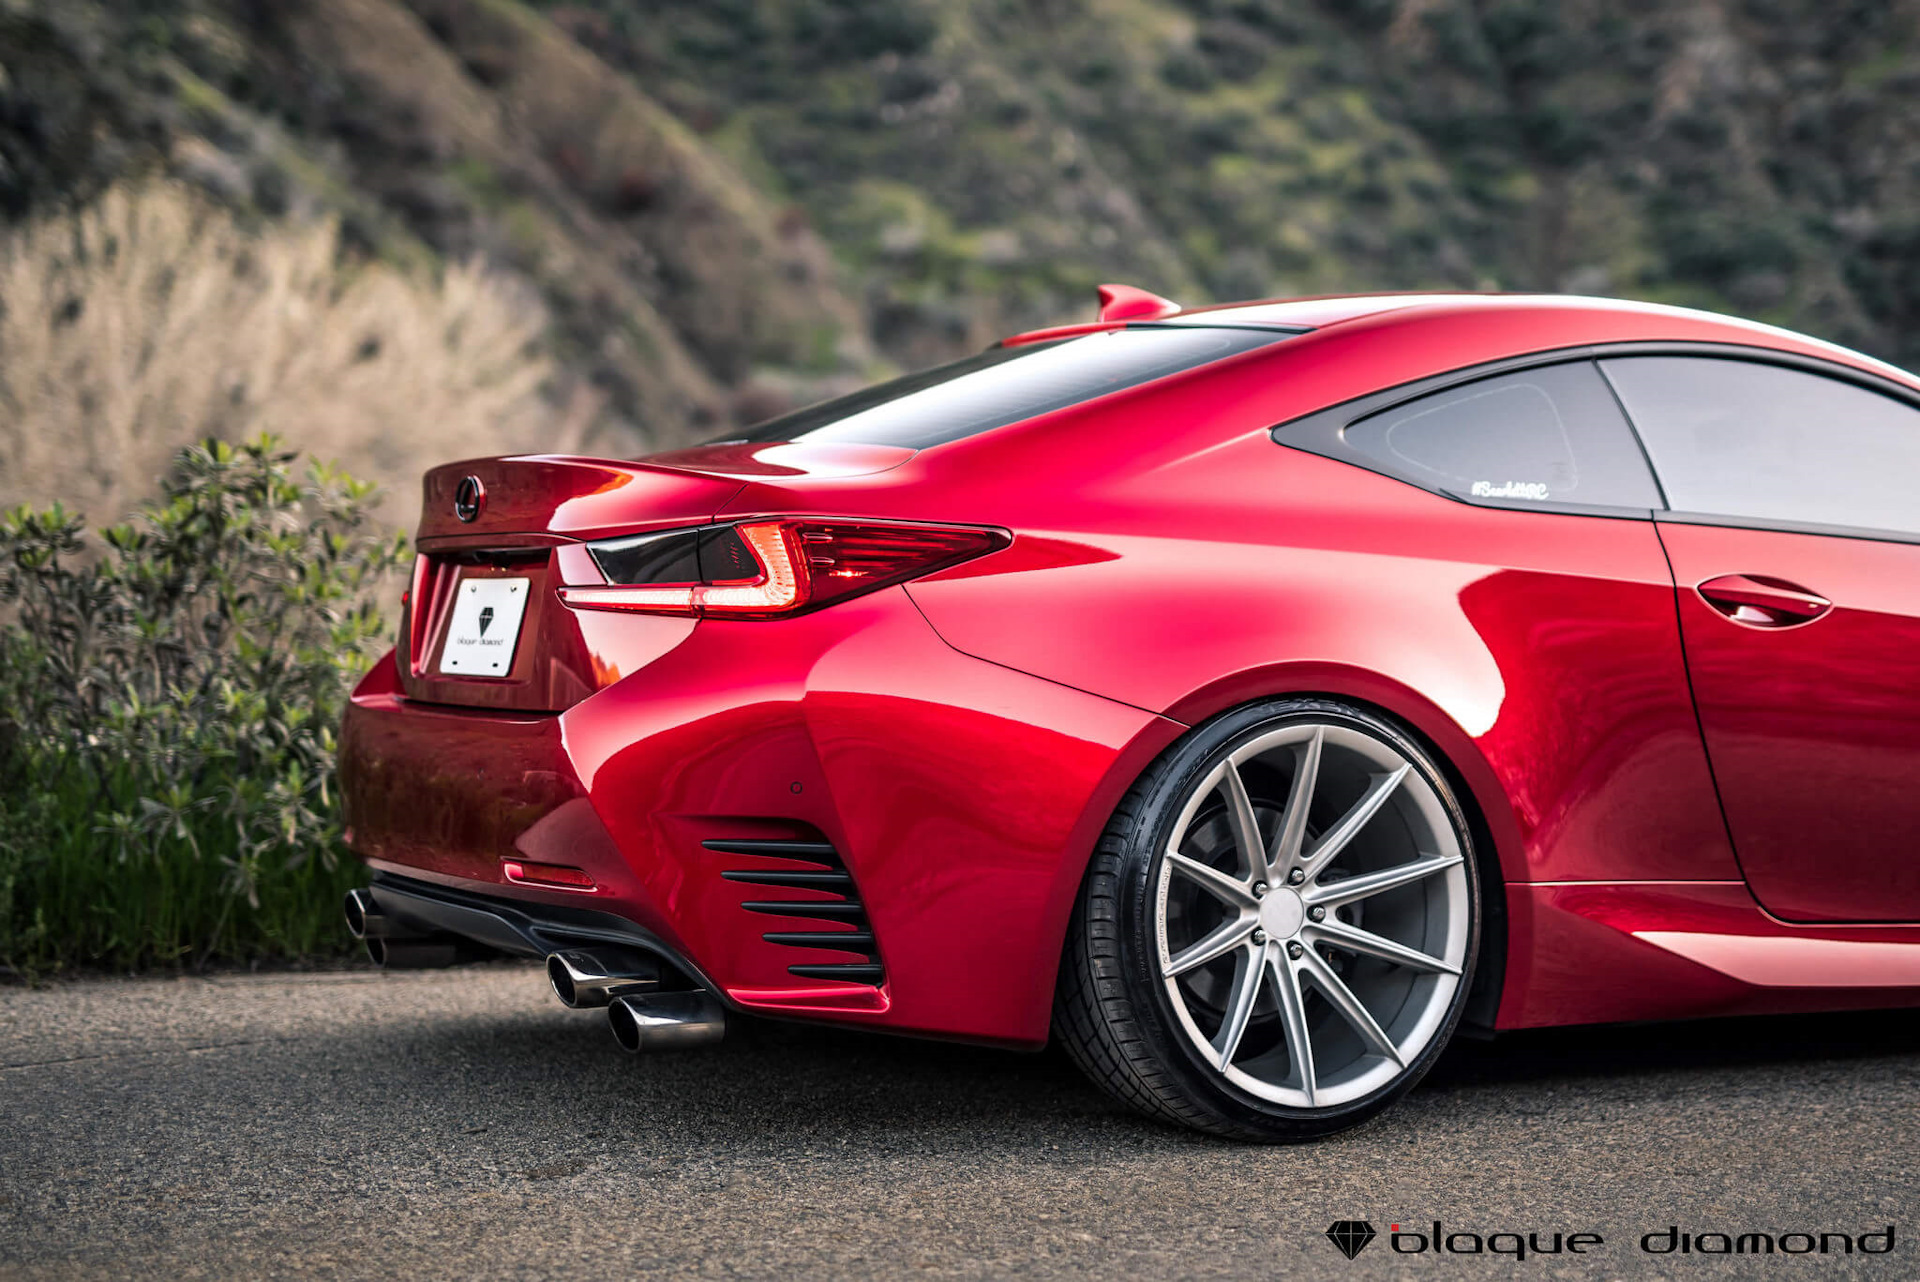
(515,927)
(962,800)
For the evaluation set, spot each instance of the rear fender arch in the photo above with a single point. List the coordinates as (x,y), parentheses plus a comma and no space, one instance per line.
(1495,832)
(1438,731)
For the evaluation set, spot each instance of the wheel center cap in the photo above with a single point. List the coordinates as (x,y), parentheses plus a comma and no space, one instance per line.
(1281,913)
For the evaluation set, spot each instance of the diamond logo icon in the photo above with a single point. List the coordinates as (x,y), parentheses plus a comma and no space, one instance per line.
(1351,1236)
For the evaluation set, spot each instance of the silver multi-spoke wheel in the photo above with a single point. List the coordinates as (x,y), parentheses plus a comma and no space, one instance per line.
(1279,927)
(1311,913)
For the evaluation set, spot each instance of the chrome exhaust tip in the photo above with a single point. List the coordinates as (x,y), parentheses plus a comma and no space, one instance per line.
(364,917)
(396,943)
(584,978)
(666,1021)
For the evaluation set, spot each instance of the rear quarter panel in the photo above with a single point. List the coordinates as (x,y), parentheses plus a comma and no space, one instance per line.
(1169,555)
(1538,652)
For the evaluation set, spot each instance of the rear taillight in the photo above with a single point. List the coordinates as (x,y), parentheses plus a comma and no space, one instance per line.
(770,569)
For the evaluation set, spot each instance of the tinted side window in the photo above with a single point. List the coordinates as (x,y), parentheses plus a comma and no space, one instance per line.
(1004,385)
(1741,439)
(1548,435)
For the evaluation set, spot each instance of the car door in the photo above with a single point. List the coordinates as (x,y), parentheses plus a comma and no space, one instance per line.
(1595,739)
(1793,529)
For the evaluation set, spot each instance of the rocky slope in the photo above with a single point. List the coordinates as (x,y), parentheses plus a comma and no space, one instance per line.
(722,205)
(1752,155)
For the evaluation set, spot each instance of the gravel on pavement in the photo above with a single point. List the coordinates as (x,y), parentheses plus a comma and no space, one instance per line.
(461,1124)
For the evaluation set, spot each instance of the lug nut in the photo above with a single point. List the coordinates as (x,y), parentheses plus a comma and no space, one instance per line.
(1259,935)
(1295,950)
(1317,913)
(1259,890)
(1297,876)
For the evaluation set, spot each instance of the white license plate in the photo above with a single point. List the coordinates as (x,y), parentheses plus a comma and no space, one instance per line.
(485,627)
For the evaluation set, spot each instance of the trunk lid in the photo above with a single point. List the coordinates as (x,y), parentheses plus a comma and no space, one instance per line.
(481,626)
(525,497)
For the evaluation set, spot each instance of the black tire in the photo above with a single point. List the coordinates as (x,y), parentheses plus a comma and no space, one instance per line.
(1112,1010)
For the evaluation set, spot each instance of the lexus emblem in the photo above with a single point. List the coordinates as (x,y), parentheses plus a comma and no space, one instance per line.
(469,498)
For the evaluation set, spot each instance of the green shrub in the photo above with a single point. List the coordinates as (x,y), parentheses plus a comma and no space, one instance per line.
(168,701)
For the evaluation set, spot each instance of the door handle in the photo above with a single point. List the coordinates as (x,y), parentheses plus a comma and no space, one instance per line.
(1762,601)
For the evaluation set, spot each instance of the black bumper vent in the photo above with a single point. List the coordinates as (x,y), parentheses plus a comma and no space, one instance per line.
(846,930)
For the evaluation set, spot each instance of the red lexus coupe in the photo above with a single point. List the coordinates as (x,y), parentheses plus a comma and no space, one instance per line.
(1249,697)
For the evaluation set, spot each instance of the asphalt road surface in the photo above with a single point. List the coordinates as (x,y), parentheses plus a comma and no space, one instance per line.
(456,1124)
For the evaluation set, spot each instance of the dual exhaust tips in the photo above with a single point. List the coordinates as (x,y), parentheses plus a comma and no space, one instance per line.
(627,983)
(394,946)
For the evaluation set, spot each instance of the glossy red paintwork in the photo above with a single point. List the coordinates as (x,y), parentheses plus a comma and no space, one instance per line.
(1127,302)
(1814,729)
(963,740)
(554,666)
(1601,953)
(949,785)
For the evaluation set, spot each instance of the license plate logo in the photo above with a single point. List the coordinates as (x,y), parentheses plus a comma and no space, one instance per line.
(485,627)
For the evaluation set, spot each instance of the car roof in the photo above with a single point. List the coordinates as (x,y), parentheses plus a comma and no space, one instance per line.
(1334,311)
(1354,344)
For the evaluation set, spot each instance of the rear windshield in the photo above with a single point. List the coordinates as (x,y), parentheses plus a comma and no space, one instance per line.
(1004,385)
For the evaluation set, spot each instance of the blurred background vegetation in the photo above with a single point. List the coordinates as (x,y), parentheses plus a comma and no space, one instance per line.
(169,692)
(402,231)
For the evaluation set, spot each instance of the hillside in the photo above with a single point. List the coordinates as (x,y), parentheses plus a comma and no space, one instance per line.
(698,212)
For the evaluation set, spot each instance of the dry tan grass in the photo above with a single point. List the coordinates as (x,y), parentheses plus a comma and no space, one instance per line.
(152,319)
